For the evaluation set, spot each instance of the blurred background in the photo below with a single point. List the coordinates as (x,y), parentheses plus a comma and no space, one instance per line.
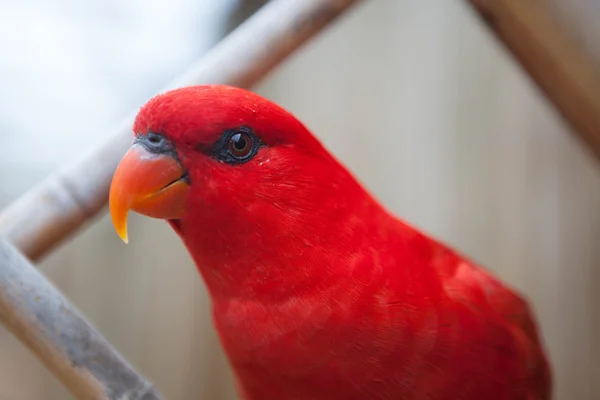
(416,98)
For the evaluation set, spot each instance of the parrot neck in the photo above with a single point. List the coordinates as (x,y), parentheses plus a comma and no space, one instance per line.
(302,247)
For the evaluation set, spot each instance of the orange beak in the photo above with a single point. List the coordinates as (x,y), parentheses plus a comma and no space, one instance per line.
(148,183)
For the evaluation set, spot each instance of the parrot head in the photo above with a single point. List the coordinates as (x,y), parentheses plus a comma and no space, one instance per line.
(222,160)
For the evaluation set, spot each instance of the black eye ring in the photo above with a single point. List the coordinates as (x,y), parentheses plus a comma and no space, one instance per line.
(234,146)
(240,145)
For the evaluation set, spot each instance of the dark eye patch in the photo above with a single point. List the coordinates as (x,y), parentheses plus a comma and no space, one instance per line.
(235,146)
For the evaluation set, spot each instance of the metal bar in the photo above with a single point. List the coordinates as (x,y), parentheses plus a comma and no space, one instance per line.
(553,50)
(52,211)
(52,328)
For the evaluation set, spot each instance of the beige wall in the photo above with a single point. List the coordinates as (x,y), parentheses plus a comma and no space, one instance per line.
(429,112)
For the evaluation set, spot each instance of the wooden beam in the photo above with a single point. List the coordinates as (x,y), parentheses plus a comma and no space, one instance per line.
(42,319)
(56,208)
(552,49)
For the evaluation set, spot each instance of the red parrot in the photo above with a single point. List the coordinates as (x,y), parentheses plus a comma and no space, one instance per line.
(318,291)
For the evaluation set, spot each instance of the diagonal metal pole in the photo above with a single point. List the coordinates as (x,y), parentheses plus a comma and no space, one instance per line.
(553,51)
(52,328)
(53,210)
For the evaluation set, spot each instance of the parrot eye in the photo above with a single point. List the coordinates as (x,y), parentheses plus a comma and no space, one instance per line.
(235,146)
(240,145)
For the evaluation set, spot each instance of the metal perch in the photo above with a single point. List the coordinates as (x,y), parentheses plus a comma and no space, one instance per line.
(40,317)
(553,52)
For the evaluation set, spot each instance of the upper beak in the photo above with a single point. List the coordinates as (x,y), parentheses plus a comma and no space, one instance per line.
(152,184)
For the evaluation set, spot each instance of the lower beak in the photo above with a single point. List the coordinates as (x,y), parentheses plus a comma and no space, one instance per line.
(147,183)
